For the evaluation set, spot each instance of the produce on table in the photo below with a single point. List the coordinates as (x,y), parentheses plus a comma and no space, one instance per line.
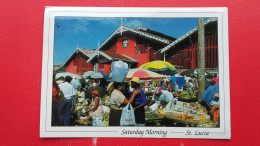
(210,124)
(152,116)
(203,116)
(188,96)
(176,94)
(161,112)
(83,122)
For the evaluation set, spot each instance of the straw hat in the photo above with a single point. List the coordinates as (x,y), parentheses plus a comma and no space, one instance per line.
(135,79)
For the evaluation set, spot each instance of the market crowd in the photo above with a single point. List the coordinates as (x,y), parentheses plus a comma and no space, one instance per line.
(67,91)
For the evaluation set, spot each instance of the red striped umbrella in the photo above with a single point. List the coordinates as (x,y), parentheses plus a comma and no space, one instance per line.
(143,74)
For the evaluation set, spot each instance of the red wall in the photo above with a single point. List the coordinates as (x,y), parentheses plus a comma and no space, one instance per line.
(182,59)
(130,50)
(107,67)
(79,65)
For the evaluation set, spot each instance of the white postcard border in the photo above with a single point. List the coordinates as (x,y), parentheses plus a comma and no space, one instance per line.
(46,130)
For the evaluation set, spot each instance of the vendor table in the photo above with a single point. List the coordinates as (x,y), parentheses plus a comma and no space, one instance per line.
(187,122)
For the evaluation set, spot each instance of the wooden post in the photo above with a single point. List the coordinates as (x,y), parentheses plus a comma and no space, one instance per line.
(201,57)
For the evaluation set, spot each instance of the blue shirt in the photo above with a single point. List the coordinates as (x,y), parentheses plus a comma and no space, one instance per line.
(173,80)
(180,81)
(140,98)
(208,94)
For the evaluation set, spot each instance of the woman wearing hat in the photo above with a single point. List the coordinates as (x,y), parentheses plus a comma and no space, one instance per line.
(139,102)
(117,102)
(95,107)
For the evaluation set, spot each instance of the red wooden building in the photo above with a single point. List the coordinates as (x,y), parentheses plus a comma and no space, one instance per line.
(77,62)
(142,45)
(134,46)
(182,53)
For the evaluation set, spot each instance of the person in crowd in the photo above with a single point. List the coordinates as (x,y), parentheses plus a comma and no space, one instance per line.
(82,93)
(165,84)
(117,102)
(95,108)
(60,80)
(216,79)
(208,81)
(139,102)
(65,107)
(194,83)
(169,87)
(76,87)
(208,95)
(214,111)
(164,96)
(151,87)
(110,88)
(189,86)
(161,84)
(101,88)
(176,87)
(158,84)
(146,86)
(55,98)
(173,81)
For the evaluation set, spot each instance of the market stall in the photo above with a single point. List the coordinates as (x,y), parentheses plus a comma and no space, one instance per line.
(190,114)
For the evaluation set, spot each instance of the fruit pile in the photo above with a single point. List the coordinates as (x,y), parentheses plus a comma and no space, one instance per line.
(185,95)
(83,122)
(185,116)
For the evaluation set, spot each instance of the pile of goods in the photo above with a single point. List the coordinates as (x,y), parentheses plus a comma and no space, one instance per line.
(106,115)
(186,111)
(83,122)
(210,124)
(176,94)
(81,113)
(151,116)
(192,117)
(187,96)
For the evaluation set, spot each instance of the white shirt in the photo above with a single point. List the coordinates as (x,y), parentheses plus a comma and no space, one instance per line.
(76,84)
(67,89)
(165,96)
(117,98)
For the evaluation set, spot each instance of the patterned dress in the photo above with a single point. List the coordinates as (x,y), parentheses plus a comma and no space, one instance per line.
(99,111)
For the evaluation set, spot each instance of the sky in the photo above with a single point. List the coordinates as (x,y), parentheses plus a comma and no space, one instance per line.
(88,32)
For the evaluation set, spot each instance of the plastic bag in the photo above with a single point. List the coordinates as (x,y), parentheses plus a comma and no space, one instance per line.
(127,116)
(98,120)
(119,71)
(153,107)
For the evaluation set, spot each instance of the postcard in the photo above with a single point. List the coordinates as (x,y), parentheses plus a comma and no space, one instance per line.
(135,72)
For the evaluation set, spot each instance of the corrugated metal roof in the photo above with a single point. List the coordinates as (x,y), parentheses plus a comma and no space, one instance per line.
(186,35)
(86,52)
(123,29)
(112,55)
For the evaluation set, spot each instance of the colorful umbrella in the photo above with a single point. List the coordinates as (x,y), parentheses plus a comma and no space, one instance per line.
(143,74)
(159,66)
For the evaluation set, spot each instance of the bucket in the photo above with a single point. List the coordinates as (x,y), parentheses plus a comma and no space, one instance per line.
(119,71)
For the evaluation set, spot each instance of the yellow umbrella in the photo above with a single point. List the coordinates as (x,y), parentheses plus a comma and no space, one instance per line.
(158,65)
